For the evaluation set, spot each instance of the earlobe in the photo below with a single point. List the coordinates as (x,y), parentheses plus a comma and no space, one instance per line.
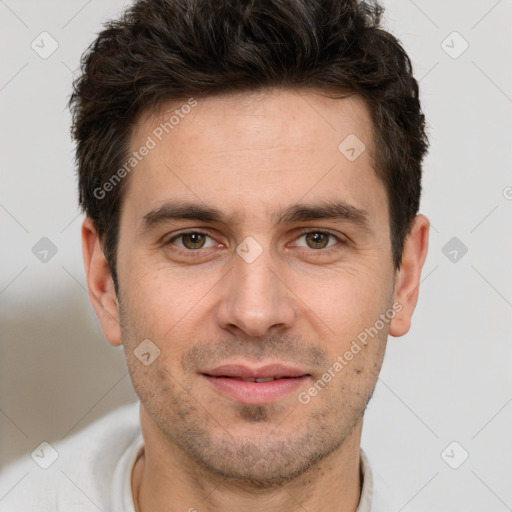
(408,276)
(100,284)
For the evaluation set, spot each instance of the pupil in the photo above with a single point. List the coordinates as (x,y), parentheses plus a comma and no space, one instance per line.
(316,239)
(196,239)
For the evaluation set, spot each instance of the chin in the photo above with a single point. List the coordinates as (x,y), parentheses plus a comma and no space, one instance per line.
(260,461)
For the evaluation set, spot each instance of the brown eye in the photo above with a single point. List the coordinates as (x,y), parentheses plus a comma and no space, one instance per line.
(317,240)
(193,240)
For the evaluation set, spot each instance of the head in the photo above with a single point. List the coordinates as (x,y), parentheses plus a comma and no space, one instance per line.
(251,177)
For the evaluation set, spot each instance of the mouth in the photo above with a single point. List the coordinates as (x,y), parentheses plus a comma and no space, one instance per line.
(258,379)
(250,385)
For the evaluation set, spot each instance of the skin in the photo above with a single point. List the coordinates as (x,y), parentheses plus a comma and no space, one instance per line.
(252,155)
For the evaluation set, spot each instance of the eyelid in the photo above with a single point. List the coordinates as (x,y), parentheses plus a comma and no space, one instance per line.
(304,231)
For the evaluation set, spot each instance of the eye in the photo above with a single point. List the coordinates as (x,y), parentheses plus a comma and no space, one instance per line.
(191,241)
(318,239)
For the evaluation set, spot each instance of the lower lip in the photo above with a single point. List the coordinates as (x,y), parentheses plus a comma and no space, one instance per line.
(256,392)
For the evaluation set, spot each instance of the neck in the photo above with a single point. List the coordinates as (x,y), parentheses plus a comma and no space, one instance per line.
(165,475)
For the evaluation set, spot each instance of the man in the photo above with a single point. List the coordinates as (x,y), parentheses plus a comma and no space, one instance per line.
(251,175)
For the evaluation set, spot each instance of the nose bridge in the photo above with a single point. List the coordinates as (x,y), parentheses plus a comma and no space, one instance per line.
(254,298)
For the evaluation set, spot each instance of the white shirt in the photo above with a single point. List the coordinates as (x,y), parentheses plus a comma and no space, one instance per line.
(91,471)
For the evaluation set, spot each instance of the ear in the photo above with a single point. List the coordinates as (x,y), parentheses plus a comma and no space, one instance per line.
(100,284)
(407,280)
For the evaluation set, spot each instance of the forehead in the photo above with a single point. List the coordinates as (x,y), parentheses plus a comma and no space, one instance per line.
(276,116)
(251,151)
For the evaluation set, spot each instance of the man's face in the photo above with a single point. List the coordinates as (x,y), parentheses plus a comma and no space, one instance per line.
(249,294)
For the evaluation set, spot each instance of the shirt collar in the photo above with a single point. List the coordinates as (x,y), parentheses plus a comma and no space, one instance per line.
(365,502)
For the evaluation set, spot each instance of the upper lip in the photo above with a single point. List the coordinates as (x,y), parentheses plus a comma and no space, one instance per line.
(246,372)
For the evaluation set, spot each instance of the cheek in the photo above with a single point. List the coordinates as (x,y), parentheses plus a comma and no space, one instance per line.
(168,306)
(157,296)
(347,302)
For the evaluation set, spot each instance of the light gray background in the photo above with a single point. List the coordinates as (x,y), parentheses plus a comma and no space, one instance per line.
(448,379)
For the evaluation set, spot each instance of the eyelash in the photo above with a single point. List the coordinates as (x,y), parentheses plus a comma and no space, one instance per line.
(198,252)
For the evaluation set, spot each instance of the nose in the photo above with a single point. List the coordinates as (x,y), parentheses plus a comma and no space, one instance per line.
(255,298)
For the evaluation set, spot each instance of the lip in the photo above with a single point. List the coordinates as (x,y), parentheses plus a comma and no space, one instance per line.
(246,372)
(228,381)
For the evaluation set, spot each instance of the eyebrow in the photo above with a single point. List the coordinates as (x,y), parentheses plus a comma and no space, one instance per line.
(326,210)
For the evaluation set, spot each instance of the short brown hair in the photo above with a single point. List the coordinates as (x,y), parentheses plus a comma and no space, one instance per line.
(159,50)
